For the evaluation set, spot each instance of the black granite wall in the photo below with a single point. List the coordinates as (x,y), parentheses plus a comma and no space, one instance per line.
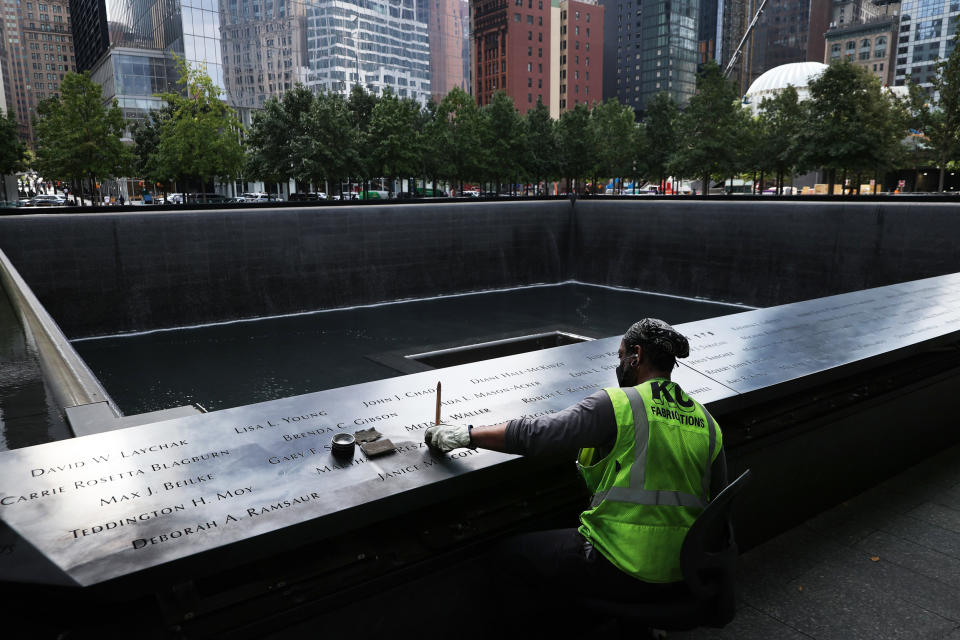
(106,273)
(762,253)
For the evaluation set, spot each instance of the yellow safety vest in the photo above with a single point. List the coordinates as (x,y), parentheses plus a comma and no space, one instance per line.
(654,482)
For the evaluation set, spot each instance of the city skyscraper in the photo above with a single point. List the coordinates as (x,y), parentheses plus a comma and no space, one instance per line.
(653,46)
(372,43)
(927,28)
(252,49)
(37,51)
(581,39)
(128,45)
(538,50)
(511,50)
(263,48)
(446,46)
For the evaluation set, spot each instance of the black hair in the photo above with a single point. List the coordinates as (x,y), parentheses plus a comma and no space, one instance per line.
(660,359)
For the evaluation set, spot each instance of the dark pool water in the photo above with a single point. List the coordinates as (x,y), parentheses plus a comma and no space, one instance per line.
(241,363)
(28,412)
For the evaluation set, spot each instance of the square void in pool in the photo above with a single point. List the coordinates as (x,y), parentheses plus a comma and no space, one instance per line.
(483,350)
(233,364)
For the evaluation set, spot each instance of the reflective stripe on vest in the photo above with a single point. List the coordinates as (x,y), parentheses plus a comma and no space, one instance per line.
(635,493)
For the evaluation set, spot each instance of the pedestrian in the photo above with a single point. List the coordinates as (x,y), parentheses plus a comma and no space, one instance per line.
(651,456)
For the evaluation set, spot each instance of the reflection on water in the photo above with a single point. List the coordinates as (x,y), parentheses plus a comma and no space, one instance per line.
(242,363)
(28,414)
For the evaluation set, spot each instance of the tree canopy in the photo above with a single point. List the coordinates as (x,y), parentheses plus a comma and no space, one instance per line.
(13,152)
(78,138)
(201,138)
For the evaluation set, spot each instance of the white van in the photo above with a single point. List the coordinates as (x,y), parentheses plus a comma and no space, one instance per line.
(253,197)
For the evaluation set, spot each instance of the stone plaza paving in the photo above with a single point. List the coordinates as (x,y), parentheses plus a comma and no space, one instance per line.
(884,564)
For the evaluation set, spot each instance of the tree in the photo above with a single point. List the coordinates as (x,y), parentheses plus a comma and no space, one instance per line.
(13,152)
(851,123)
(201,139)
(429,146)
(456,131)
(941,124)
(540,157)
(393,136)
(328,149)
(577,145)
(360,105)
(709,130)
(659,136)
(78,138)
(615,130)
(780,122)
(503,140)
(146,144)
(272,132)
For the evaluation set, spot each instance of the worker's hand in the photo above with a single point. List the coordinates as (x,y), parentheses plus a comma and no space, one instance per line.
(447,437)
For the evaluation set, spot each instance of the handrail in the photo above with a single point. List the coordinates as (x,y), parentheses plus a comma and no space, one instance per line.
(67,375)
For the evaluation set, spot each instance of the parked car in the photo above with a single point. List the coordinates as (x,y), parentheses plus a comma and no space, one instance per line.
(257,197)
(307,197)
(47,200)
(207,198)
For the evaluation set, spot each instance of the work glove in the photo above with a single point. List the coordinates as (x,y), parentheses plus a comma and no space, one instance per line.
(447,437)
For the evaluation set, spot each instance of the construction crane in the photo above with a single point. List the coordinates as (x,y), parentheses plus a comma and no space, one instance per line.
(739,49)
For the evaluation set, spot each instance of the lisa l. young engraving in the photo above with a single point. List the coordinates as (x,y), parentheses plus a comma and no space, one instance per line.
(255,427)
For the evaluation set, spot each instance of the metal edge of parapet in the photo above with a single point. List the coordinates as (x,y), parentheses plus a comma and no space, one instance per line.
(70,379)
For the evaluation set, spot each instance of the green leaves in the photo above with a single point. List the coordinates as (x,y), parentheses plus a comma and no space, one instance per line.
(201,138)
(847,112)
(711,129)
(79,137)
(13,152)
(617,138)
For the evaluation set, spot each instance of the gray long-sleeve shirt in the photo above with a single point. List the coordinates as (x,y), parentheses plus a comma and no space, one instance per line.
(591,423)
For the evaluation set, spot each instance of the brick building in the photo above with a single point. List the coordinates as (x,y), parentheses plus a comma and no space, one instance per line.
(37,52)
(537,50)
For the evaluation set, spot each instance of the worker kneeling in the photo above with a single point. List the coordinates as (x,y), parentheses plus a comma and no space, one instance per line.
(651,456)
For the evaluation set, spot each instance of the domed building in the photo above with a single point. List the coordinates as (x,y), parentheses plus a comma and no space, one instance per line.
(798,74)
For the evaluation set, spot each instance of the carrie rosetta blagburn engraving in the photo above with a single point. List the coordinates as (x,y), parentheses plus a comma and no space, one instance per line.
(110,504)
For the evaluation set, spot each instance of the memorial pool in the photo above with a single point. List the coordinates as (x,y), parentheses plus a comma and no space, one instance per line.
(239,363)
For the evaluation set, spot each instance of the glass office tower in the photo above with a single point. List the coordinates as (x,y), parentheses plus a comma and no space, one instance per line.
(650,46)
(372,43)
(128,45)
(927,28)
(252,49)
